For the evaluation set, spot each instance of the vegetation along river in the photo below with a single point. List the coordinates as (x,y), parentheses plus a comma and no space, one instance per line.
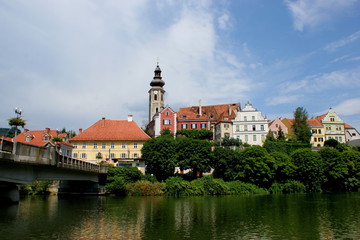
(283,216)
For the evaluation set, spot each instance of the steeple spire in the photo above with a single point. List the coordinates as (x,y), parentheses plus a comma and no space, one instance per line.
(157,80)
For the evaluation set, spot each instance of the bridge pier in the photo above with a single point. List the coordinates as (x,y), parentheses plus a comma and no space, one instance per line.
(9,193)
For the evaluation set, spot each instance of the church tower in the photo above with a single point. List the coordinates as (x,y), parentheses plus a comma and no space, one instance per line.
(156,93)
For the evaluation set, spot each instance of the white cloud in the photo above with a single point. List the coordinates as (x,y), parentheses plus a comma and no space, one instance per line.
(277,100)
(348,107)
(343,42)
(224,21)
(311,13)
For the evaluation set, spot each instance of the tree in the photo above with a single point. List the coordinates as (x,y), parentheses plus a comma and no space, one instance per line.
(300,127)
(286,170)
(352,179)
(256,166)
(228,142)
(166,132)
(15,123)
(331,143)
(224,162)
(280,134)
(310,169)
(160,156)
(196,134)
(194,154)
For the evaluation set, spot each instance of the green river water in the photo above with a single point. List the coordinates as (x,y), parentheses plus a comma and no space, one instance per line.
(287,216)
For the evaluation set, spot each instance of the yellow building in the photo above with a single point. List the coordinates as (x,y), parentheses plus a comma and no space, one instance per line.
(109,140)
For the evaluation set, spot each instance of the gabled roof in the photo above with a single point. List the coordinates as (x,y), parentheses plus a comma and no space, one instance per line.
(321,117)
(115,130)
(37,136)
(347,126)
(313,122)
(213,113)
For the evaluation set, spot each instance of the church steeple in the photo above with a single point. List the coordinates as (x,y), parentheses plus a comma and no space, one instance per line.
(156,93)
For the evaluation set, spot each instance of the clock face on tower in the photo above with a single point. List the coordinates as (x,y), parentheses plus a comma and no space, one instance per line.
(155,91)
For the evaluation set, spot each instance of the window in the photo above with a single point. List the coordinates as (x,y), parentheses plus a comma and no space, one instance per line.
(184,116)
(315,139)
(155,97)
(75,145)
(245,127)
(28,138)
(112,145)
(135,155)
(262,127)
(246,138)
(84,145)
(83,156)
(253,118)
(167,113)
(135,145)
(202,125)
(166,121)
(103,145)
(319,131)
(340,139)
(193,125)
(95,145)
(157,109)
(237,128)
(184,126)
(321,139)
(123,155)
(254,138)
(254,127)
(332,119)
(75,155)
(123,145)
(245,118)
(112,155)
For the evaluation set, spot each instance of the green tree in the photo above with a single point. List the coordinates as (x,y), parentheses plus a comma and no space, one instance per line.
(196,134)
(224,162)
(166,132)
(160,156)
(229,142)
(352,179)
(256,166)
(286,170)
(300,127)
(310,169)
(331,143)
(194,154)
(280,134)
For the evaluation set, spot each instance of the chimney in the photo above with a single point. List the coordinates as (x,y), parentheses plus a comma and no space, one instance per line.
(26,130)
(229,110)
(200,110)
(103,122)
(80,130)
(130,118)
(47,130)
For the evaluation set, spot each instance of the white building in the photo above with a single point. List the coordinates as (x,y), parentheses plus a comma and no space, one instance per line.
(250,126)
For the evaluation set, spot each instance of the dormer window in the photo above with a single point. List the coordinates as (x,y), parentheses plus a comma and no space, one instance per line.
(46,138)
(28,138)
(184,116)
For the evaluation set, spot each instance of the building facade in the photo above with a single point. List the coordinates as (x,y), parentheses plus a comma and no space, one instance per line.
(165,119)
(109,140)
(317,132)
(333,125)
(250,126)
(275,126)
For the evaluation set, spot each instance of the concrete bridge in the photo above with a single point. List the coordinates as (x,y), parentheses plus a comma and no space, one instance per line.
(27,163)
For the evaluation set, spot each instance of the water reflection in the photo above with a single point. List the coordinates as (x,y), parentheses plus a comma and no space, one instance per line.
(302,216)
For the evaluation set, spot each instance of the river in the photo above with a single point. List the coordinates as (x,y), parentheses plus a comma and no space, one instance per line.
(287,216)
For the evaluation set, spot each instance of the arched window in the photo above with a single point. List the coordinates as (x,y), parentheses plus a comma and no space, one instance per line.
(155,97)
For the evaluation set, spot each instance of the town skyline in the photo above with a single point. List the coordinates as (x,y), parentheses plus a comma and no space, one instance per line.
(69,64)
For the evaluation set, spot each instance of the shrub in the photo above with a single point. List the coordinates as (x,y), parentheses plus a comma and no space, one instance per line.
(129,174)
(213,186)
(293,186)
(238,187)
(116,186)
(145,188)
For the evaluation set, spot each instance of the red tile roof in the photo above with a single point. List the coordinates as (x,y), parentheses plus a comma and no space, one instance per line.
(214,113)
(313,122)
(347,126)
(116,130)
(37,136)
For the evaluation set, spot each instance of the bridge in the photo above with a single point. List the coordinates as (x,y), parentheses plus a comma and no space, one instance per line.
(23,164)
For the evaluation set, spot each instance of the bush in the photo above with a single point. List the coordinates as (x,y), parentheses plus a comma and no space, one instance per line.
(39,187)
(238,187)
(116,186)
(284,146)
(213,186)
(290,186)
(129,174)
(145,188)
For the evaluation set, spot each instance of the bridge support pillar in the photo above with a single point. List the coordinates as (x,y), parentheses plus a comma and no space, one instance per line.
(9,193)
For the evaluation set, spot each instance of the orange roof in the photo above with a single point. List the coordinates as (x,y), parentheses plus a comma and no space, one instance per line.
(347,126)
(321,117)
(213,113)
(37,137)
(116,130)
(313,122)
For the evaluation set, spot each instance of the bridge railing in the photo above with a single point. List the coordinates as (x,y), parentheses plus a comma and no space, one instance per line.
(27,153)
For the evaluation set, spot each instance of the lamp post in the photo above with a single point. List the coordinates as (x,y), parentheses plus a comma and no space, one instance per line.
(18,115)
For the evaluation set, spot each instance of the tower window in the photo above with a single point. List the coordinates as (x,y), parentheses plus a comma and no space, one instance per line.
(155,97)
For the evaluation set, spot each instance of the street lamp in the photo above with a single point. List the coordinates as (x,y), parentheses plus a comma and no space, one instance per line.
(18,115)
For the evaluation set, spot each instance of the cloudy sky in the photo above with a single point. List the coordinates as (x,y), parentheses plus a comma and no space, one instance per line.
(69,63)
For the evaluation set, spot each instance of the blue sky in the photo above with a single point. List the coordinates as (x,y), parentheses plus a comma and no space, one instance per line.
(70,63)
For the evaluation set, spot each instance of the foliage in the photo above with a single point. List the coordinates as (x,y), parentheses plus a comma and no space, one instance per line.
(290,186)
(224,162)
(212,186)
(129,174)
(300,127)
(145,188)
(39,187)
(194,154)
(149,177)
(202,134)
(331,143)
(161,156)
(310,169)
(56,139)
(69,133)
(116,186)
(352,179)
(166,132)
(18,122)
(228,142)
(238,187)
(256,166)
(285,168)
(284,146)
(280,134)
(176,186)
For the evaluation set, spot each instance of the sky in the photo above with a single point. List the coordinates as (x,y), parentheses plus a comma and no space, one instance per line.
(67,64)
